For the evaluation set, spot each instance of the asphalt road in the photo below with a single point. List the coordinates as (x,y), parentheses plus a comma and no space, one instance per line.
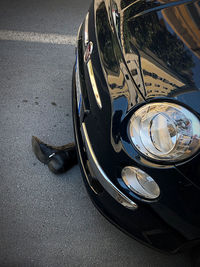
(49,220)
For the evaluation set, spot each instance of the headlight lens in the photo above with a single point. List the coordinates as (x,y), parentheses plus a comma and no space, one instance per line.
(165,131)
(140,182)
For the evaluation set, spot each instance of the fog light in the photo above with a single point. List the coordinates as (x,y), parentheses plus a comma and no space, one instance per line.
(140,183)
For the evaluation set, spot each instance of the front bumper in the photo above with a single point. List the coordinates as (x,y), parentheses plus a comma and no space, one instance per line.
(99,174)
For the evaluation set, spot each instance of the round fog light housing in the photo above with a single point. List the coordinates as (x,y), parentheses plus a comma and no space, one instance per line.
(140,183)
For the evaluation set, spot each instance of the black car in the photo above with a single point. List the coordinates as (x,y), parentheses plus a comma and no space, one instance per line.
(136,113)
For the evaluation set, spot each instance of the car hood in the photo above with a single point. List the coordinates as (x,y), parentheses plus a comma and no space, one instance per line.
(160,42)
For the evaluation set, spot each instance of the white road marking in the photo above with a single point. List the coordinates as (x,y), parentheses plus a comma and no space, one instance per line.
(35,37)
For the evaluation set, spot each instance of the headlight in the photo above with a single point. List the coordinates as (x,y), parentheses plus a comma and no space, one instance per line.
(165,131)
(140,183)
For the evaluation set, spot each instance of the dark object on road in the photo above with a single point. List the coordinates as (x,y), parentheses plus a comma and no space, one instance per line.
(58,159)
(136,111)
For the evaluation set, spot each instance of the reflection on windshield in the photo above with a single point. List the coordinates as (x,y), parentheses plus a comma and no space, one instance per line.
(185,21)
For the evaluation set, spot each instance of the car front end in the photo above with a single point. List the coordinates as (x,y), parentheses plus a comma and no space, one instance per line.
(136,117)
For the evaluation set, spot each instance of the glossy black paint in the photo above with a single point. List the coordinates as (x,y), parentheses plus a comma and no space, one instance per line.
(140,55)
(151,232)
